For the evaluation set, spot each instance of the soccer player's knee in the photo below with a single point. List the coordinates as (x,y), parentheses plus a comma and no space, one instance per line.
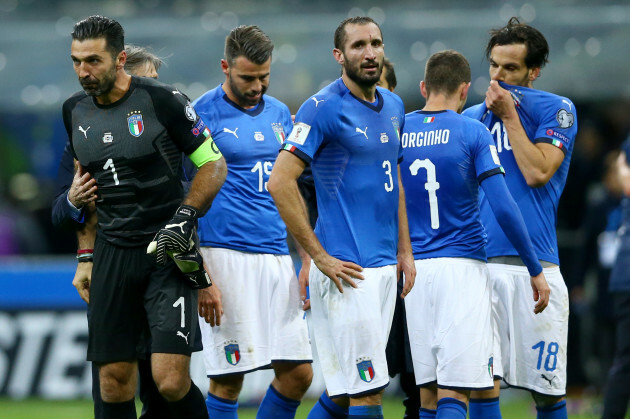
(173,386)
(543,400)
(303,377)
(228,387)
(117,382)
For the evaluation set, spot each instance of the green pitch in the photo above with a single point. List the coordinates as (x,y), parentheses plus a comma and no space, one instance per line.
(514,408)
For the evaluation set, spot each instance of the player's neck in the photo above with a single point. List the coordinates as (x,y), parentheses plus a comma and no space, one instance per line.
(362,92)
(121,87)
(441,103)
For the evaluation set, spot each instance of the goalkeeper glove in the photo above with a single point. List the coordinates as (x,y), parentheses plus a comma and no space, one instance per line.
(191,265)
(177,236)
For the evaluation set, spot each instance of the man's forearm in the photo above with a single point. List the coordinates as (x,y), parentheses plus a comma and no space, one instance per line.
(206,185)
(404,240)
(293,211)
(86,235)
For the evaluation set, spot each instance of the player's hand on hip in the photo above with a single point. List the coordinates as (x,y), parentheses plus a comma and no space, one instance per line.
(406,266)
(83,188)
(338,270)
(210,306)
(541,292)
(177,236)
(500,101)
(82,280)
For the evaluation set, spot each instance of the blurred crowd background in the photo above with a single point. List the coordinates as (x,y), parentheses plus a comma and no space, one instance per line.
(589,61)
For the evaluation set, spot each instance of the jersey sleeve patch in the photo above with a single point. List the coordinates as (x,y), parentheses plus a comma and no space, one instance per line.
(299,133)
(556,139)
(293,149)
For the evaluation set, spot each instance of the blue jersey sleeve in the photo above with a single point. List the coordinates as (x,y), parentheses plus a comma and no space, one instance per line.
(487,161)
(310,128)
(64,215)
(511,221)
(557,124)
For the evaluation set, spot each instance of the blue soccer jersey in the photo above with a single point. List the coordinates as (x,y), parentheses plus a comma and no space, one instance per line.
(354,149)
(546,118)
(243,215)
(446,157)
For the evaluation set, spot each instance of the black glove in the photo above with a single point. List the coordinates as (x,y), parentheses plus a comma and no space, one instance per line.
(177,236)
(191,265)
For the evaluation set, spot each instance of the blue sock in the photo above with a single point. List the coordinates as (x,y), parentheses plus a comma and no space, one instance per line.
(427,413)
(327,409)
(556,411)
(275,405)
(484,408)
(219,408)
(365,412)
(449,408)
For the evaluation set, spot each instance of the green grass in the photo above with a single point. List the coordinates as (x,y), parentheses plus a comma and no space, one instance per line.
(515,407)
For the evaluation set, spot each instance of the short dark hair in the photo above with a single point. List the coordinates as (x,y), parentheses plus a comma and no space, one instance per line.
(445,72)
(390,74)
(516,32)
(97,26)
(340,32)
(250,42)
(137,57)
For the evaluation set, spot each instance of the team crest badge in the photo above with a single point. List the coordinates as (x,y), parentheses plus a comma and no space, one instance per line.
(135,123)
(396,125)
(278,131)
(232,353)
(366,370)
(491,366)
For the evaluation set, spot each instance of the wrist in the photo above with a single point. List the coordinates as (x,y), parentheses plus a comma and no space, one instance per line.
(187,211)
(85,255)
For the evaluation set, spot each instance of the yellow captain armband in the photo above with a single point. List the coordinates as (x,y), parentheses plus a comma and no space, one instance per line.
(208,151)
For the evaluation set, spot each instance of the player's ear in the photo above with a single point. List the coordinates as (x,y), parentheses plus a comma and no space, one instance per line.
(225,67)
(534,73)
(338,55)
(423,89)
(121,59)
(464,91)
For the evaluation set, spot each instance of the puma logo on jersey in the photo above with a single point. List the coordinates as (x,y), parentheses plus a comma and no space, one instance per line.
(567,102)
(550,380)
(317,102)
(230,131)
(84,131)
(364,132)
(184,336)
(180,225)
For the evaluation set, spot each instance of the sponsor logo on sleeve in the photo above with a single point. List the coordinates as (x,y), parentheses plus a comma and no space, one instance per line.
(198,127)
(565,118)
(558,135)
(299,133)
(190,112)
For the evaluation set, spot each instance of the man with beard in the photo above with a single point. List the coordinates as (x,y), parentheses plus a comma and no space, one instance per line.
(349,132)
(534,132)
(129,133)
(243,241)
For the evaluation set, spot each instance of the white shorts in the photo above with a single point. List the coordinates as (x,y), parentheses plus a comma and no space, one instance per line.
(449,318)
(533,347)
(351,329)
(263,321)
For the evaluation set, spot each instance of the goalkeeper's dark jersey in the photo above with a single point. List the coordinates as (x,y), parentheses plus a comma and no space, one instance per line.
(133,148)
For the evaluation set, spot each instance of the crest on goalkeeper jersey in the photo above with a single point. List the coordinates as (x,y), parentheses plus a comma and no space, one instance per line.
(366,370)
(135,123)
(232,353)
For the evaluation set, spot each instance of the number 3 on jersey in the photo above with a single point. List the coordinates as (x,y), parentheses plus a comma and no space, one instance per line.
(432,185)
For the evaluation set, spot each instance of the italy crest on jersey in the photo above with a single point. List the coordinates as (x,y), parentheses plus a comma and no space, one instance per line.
(136,126)
(278,131)
(232,353)
(396,126)
(366,370)
(491,366)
